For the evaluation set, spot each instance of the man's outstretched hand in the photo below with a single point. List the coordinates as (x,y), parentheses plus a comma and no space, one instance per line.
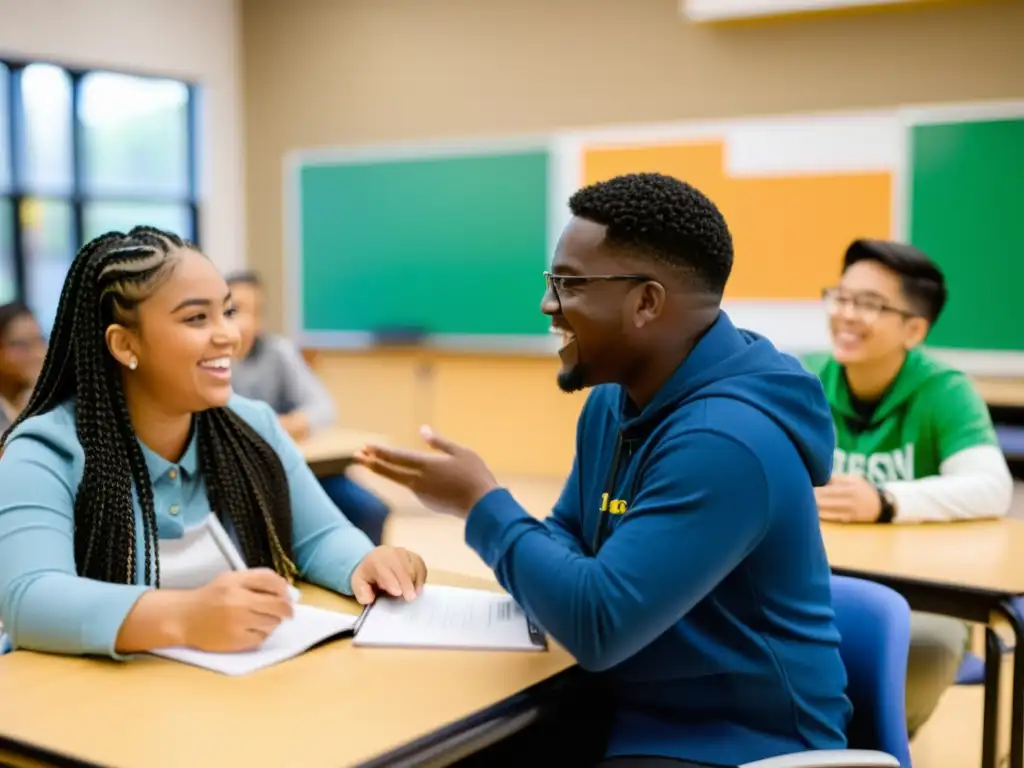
(449,479)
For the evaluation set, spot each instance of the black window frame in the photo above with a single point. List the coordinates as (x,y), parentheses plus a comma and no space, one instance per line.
(17,193)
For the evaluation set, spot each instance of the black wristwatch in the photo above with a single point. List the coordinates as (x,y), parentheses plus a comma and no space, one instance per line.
(888,510)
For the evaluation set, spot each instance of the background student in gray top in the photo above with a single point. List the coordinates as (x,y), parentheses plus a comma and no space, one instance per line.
(271,368)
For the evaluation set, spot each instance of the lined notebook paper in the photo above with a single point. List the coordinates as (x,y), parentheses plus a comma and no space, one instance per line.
(449,617)
(292,637)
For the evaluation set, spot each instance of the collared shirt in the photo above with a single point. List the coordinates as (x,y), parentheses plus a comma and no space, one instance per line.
(46,606)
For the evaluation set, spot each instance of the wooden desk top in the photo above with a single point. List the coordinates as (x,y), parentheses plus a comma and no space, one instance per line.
(985,554)
(335,705)
(1000,391)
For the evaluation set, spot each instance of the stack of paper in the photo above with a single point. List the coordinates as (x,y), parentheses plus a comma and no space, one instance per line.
(449,617)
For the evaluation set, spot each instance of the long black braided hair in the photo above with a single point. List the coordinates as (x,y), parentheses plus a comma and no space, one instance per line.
(244,477)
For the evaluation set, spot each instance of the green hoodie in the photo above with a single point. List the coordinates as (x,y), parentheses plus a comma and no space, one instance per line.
(929,413)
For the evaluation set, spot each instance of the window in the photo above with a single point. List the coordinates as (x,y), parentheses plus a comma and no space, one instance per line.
(8,280)
(42,154)
(5,130)
(83,153)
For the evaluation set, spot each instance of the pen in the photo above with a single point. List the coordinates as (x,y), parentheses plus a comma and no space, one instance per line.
(231,554)
(361,619)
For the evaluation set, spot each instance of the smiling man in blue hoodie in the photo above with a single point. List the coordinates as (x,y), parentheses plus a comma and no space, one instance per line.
(683,562)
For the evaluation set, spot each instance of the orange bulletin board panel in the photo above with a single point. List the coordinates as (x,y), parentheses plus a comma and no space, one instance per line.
(789,232)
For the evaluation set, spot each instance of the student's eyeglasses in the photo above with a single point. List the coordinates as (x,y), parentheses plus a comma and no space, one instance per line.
(866,307)
(562,285)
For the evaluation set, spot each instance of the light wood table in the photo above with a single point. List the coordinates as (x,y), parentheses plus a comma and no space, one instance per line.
(984,556)
(1006,392)
(330,451)
(969,570)
(333,706)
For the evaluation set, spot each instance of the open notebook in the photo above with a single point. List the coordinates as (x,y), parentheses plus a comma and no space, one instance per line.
(308,627)
(206,550)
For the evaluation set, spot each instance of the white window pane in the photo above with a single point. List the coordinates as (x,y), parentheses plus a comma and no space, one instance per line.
(5,139)
(8,290)
(98,218)
(135,135)
(47,242)
(45,151)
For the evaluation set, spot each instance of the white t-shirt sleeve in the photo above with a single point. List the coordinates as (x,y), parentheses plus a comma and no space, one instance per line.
(972,484)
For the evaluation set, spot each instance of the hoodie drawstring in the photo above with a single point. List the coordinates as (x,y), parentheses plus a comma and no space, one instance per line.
(609,488)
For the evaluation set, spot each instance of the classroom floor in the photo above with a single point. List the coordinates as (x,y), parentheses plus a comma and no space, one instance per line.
(951,739)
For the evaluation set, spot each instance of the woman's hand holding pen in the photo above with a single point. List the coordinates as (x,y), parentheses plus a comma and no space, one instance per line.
(236,611)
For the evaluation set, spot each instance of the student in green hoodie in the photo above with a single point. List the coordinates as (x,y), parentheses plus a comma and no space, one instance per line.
(914,439)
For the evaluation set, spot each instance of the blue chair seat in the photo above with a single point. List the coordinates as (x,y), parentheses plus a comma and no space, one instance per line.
(1011,440)
(972,670)
(874,624)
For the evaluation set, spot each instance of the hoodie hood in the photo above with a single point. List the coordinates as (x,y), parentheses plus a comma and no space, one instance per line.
(917,370)
(745,366)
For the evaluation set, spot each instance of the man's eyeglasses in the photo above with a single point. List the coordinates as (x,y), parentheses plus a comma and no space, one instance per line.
(866,307)
(562,285)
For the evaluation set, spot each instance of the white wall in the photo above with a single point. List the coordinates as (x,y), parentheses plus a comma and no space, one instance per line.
(198,40)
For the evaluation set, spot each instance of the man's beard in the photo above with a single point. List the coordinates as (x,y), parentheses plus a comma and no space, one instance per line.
(573,379)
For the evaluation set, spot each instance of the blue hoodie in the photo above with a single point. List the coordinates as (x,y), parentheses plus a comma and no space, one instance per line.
(684,560)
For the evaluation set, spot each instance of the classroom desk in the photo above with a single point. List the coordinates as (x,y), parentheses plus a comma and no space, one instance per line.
(333,706)
(330,451)
(999,391)
(968,570)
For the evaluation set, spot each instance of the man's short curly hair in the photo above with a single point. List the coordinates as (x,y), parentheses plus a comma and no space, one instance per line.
(664,218)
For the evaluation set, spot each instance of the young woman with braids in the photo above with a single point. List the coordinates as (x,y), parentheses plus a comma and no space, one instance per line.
(133,457)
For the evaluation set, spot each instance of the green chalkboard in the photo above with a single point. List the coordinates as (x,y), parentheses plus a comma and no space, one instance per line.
(452,245)
(967,213)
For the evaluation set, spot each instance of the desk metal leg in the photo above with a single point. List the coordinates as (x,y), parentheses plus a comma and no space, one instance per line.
(990,725)
(1017,710)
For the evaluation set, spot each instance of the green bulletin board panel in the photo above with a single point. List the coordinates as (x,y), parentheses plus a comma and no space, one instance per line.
(451,245)
(967,213)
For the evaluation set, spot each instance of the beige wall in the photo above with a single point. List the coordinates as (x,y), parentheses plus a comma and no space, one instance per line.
(328,72)
(196,40)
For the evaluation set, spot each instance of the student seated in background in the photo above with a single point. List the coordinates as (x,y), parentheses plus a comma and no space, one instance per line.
(915,441)
(684,561)
(270,368)
(22,348)
(133,449)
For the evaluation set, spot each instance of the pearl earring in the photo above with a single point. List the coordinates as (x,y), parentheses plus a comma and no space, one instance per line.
(133,364)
